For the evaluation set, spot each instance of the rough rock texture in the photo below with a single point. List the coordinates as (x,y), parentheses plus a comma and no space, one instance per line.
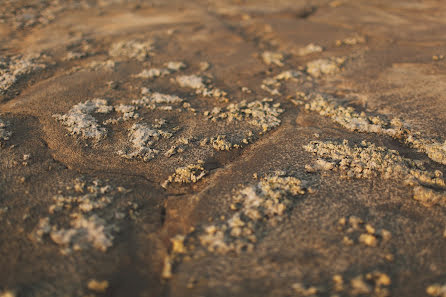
(222,148)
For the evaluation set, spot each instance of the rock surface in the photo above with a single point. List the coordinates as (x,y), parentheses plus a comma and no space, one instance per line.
(222,148)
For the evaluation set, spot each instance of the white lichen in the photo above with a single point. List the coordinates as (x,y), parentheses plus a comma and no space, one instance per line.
(157,100)
(309,49)
(5,134)
(171,67)
(85,207)
(134,49)
(201,86)
(70,56)
(191,81)
(204,66)
(85,199)
(353,40)
(80,121)
(328,66)
(152,73)
(142,138)
(253,206)
(14,68)
(270,58)
(107,65)
(262,113)
(272,85)
(353,120)
(368,160)
(175,66)
(128,111)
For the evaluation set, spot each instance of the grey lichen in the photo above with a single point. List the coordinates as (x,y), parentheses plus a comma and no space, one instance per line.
(328,66)
(107,65)
(13,68)
(142,138)
(270,58)
(157,100)
(134,49)
(85,231)
(5,134)
(80,121)
(260,113)
(174,66)
(152,73)
(253,206)
(127,111)
(201,86)
(368,160)
(171,67)
(84,204)
(191,81)
(272,85)
(353,120)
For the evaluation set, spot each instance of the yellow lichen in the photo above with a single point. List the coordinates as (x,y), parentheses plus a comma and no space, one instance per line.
(97,286)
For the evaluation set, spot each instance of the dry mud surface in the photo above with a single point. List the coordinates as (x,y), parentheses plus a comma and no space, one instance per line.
(222,148)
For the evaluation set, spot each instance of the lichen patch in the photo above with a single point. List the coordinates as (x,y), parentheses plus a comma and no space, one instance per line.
(175,66)
(97,286)
(191,81)
(253,206)
(142,138)
(5,134)
(355,230)
(79,120)
(80,217)
(328,66)
(14,68)
(187,174)
(133,49)
(309,49)
(261,113)
(368,160)
(152,73)
(353,40)
(353,120)
(272,85)
(436,290)
(7,293)
(273,58)
(201,86)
